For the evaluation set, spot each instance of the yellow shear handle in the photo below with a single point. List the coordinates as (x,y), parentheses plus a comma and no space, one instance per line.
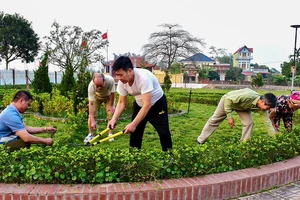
(109,137)
(100,134)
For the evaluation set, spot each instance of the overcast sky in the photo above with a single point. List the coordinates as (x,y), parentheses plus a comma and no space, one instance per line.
(263,25)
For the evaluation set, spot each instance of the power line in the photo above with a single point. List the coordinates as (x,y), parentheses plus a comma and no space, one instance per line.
(270,62)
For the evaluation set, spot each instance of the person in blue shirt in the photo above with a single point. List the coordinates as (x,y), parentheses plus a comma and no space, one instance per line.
(13,131)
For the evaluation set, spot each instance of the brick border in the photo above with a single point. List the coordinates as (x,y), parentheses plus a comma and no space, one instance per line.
(215,186)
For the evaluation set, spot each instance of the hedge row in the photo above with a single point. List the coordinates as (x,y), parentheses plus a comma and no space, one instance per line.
(69,165)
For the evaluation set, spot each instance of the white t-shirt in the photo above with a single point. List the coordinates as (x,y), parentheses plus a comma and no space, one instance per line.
(108,88)
(144,82)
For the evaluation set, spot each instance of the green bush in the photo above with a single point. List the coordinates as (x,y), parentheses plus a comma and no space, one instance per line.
(65,164)
(41,82)
(108,163)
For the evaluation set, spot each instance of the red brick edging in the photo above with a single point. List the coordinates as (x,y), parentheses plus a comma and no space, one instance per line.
(215,186)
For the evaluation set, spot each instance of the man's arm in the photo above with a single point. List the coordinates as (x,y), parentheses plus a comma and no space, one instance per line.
(228,106)
(122,102)
(91,114)
(91,109)
(267,122)
(35,130)
(271,116)
(26,137)
(112,102)
(146,98)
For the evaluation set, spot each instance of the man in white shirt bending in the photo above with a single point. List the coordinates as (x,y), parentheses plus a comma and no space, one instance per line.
(150,103)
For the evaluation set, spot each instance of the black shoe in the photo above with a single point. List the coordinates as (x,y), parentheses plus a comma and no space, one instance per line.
(199,142)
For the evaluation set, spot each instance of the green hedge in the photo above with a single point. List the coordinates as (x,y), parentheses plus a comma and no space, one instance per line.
(69,165)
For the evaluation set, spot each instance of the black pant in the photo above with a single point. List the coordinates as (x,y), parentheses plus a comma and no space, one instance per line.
(158,117)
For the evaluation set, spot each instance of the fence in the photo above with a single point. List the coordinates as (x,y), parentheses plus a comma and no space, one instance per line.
(19,77)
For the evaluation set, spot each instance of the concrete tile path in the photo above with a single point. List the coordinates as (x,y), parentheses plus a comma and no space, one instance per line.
(287,192)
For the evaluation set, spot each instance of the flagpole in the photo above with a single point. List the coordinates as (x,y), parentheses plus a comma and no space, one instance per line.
(110,69)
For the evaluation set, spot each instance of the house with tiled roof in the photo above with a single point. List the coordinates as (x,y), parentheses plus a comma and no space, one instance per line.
(193,64)
(137,62)
(242,58)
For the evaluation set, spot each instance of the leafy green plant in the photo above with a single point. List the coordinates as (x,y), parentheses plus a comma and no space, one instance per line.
(116,162)
(41,82)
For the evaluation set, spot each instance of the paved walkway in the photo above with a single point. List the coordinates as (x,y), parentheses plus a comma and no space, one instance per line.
(287,192)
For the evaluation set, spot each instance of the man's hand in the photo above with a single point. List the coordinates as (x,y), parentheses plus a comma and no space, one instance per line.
(130,128)
(231,122)
(51,129)
(111,109)
(93,124)
(48,141)
(111,124)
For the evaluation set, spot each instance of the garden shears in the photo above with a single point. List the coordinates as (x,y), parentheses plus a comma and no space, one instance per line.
(93,142)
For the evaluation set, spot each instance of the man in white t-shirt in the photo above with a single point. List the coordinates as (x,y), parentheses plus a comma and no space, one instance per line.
(150,103)
(100,90)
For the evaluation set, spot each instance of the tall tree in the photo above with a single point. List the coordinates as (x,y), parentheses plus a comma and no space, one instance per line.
(41,82)
(221,55)
(17,39)
(286,68)
(217,52)
(69,45)
(171,44)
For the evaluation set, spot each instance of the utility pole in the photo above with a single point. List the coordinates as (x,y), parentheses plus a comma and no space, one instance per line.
(170,27)
(294,68)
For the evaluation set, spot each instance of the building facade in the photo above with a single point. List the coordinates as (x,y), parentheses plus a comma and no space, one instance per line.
(242,58)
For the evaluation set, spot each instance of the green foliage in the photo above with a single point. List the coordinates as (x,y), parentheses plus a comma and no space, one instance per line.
(279,80)
(185,77)
(226,59)
(17,39)
(81,87)
(57,106)
(258,81)
(233,74)
(68,82)
(203,72)
(7,97)
(113,162)
(175,68)
(41,82)
(167,82)
(70,44)
(213,75)
(286,69)
(68,165)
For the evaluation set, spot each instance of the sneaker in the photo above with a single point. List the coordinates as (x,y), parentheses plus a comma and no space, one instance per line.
(111,139)
(88,138)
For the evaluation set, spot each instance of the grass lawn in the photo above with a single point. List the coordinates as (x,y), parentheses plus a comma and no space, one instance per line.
(184,129)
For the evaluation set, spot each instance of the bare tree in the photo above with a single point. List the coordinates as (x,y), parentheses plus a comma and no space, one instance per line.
(217,52)
(69,45)
(171,44)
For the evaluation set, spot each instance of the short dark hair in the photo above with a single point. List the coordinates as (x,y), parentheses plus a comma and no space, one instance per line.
(22,94)
(123,62)
(270,99)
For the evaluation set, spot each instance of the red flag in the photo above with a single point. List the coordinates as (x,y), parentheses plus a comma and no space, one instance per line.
(104,36)
(83,44)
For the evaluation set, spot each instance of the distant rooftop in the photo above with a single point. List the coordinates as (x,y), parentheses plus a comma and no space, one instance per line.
(199,57)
